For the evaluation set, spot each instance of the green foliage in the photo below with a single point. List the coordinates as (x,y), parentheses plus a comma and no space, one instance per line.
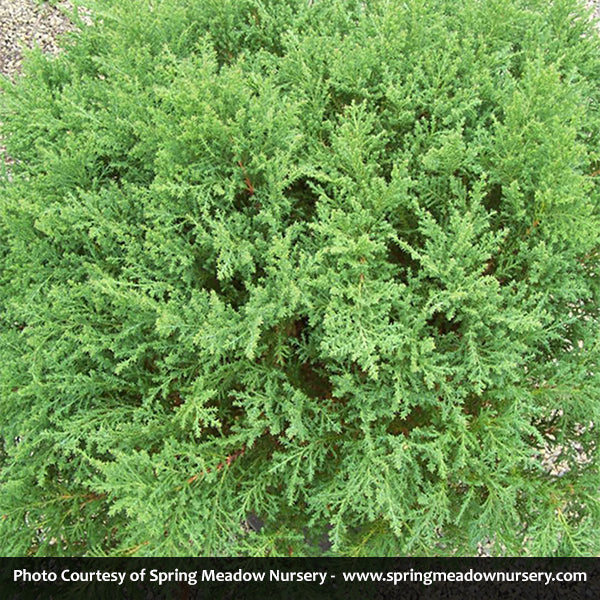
(330,263)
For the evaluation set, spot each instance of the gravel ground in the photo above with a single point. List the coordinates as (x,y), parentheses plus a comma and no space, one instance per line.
(595,4)
(27,23)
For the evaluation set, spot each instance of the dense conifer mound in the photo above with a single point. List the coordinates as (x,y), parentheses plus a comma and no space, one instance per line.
(333,264)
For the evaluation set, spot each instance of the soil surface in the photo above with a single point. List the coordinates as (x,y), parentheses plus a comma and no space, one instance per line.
(29,23)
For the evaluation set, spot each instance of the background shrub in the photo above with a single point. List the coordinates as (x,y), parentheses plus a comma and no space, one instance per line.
(332,264)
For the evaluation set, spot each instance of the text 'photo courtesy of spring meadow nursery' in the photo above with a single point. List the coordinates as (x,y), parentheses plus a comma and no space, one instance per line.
(291,277)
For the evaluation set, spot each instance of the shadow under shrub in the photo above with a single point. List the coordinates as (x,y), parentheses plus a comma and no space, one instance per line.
(330,268)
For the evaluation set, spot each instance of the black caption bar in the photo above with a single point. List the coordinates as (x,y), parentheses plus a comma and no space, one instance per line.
(306,578)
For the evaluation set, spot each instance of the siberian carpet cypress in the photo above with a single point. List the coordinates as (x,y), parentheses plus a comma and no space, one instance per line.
(329,265)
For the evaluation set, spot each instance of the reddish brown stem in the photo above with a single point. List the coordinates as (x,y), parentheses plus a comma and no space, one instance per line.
(247,181)
(230,459)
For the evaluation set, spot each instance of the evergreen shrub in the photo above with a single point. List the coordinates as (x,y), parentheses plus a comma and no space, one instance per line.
(277,271)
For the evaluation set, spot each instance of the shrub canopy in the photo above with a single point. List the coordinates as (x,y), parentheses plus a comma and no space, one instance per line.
(332,264)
